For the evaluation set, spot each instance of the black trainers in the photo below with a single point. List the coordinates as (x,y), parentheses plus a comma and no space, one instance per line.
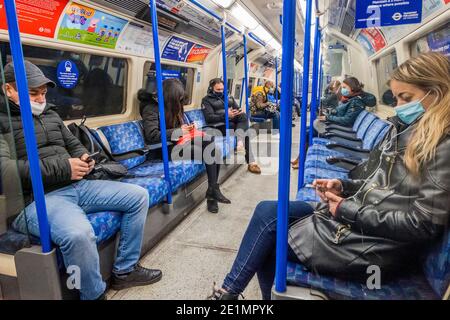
(218,294)
(140,276)
(212,205)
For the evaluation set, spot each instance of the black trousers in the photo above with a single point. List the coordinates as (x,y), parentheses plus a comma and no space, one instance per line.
(240,125)
(201,150)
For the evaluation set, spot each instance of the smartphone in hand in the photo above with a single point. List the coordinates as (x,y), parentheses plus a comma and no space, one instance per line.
(91,156)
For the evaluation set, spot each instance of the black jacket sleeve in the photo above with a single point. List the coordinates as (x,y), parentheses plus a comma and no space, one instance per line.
(210,115)
(425,218)
(152,132)
(54,171)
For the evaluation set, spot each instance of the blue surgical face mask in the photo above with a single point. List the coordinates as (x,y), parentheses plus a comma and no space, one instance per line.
(345,92)
(409,112)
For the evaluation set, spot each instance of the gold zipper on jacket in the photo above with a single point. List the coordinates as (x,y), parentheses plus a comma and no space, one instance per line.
(339,232)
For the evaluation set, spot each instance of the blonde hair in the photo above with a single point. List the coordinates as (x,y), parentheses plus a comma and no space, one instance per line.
(431,73)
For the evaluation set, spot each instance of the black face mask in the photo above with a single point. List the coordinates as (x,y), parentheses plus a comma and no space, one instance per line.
(218,94)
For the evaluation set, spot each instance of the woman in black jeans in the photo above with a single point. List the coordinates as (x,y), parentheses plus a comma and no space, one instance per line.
(387,219)
(174,99)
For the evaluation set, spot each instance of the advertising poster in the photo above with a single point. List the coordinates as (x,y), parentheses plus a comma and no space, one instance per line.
(36,17)
(177,49)
(86,25)
(375,37)
(362,40)
(198,54)
(439,41)
(379,13)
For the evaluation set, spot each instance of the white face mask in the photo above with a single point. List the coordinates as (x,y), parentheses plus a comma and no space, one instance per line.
(37,108)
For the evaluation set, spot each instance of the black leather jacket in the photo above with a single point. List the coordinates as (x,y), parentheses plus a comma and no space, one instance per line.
(385,219)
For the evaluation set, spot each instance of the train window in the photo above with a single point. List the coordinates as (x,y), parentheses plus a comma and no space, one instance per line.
(186,76)
(87,85)
(237,92)
(251,83)
(385,66)
(438,41)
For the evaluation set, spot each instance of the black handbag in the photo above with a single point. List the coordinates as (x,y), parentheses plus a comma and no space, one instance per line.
(327,246)
(106,168)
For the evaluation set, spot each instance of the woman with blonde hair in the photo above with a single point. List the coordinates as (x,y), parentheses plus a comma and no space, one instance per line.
(386,220)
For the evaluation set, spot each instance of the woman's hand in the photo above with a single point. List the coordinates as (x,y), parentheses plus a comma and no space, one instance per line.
(187,128)
(333,202)
(327,185)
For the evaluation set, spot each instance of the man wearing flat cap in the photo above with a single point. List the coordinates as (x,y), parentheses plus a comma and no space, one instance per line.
(64,164)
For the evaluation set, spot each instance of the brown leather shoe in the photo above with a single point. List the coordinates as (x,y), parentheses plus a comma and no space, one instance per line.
(254,168)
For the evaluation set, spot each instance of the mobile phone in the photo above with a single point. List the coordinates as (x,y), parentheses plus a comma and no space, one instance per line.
(91,156)
(322,189)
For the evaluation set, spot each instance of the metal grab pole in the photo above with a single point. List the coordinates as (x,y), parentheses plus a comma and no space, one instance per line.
(247,93)
(319,91)
(276,79)
(28,125)
(315,80)
(305,92)
(225,84)
(242,93)
(159,85)
(287,83)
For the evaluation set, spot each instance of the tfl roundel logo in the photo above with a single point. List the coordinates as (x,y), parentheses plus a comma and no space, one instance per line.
(397,16)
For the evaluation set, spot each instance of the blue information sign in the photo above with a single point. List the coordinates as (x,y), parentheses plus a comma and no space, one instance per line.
(170,74)
(67,74)
(379,13)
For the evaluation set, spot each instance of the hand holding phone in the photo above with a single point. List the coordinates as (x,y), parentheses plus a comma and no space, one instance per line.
(91,156)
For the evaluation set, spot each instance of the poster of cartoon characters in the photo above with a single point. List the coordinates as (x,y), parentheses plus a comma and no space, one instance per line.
(86,25)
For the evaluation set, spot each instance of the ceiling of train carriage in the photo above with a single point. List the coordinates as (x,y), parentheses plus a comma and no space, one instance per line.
(181,17)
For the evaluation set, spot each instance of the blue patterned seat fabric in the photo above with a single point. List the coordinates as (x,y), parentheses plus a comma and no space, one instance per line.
(307,194)
(312,173)
(125,137)
(105,224)
(181,172)
(196,116)
(437,265)
(408,287)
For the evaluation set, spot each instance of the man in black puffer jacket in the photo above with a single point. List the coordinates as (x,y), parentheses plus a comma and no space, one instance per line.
(69,197)
(213,107)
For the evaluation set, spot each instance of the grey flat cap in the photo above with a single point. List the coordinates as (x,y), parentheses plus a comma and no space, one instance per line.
(35,76)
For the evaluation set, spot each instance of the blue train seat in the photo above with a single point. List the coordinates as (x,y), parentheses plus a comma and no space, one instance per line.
(197,117)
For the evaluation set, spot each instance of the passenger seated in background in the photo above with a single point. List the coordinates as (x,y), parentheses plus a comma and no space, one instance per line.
(261,107)
(353,101)
(69,196)
(330,100)
(174,100)
(269,91)
(213,107)
(389,99)
(385,220)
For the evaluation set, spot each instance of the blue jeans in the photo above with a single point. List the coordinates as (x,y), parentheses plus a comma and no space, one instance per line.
(72,232)
(257,251)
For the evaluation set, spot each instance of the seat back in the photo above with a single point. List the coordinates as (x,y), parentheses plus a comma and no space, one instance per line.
(374,134)
(365,124)
(122,138)
(359,120)
(436,265)
(196,116)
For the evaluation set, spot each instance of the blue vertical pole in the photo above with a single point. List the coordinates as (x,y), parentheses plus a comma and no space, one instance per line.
(159,85)
(315,80)
(247,93)
(287,83)
(28,124)
(276,80)
(305,91)
(242,92)
(225,83)
(319,92)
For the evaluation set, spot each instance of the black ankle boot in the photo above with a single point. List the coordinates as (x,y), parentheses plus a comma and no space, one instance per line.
(218,294)
(214,193)
(212,205)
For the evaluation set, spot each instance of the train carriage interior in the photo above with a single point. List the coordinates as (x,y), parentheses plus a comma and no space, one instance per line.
(101,53)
